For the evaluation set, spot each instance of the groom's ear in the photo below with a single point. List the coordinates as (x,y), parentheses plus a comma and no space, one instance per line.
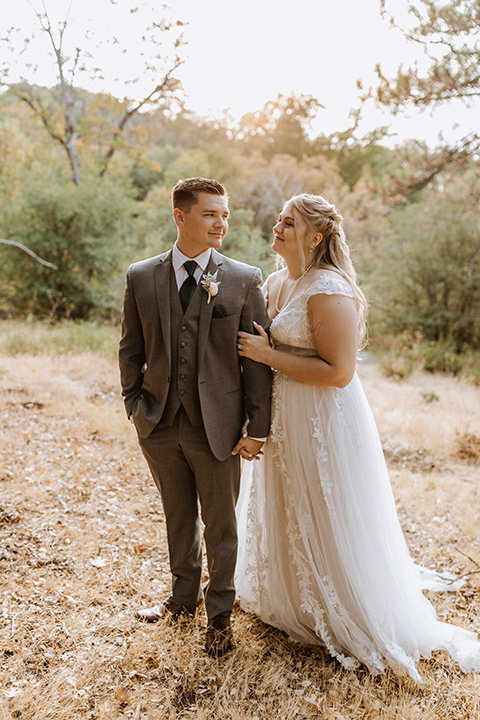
(178,216)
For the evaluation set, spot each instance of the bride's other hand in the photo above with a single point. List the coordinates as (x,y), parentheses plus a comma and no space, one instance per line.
(254,347)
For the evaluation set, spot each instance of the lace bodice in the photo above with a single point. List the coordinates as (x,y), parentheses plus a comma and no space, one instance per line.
(291,326)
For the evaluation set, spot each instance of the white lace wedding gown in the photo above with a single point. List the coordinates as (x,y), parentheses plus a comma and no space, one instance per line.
(321,552)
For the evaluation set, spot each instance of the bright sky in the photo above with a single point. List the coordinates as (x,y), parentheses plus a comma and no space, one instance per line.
(241,54)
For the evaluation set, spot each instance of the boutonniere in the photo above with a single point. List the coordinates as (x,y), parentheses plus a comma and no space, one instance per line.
(210,284)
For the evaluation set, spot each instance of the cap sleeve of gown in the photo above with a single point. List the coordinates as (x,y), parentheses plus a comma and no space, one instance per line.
(330,285)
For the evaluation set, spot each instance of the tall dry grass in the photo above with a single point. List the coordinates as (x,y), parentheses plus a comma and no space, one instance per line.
(83,545)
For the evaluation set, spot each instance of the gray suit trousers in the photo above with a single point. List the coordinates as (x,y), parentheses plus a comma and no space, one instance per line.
(186,472)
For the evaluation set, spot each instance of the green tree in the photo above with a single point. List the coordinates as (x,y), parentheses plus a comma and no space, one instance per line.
(355,155)
(84,230)
(280,127)
(427,279)
(245,242)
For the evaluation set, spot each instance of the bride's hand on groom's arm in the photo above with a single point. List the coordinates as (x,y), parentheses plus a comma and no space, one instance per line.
(254,347)
(248,448)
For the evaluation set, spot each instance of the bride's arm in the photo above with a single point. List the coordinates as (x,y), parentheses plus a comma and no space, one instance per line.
(333,320)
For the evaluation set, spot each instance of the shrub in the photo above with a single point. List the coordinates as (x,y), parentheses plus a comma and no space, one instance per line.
(468,447)
(396,366)
(427,280)
(85,230)
(441,357)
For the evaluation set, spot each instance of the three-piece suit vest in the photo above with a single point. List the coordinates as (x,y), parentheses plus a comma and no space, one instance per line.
(184,334)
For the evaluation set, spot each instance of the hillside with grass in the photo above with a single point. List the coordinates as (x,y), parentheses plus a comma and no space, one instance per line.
(83,545)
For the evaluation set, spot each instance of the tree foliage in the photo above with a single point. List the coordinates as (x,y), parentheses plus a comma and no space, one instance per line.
(84,231)
(280,127)
(427,280)
(449,34)
(356,155)
(416,245)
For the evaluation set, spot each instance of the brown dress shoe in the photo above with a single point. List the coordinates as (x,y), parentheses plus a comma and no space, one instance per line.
(219,636)
(170,610)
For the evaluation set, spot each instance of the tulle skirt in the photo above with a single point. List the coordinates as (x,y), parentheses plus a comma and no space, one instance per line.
(321,552)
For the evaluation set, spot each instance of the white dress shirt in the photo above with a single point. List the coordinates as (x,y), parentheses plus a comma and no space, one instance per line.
(178,258)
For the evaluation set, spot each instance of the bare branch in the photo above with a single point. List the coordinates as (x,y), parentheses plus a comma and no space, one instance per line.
(29,252)
(35,103)
(449,35)
(161,89)
(431,165)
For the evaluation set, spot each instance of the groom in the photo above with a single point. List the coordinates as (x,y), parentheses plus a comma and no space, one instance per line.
(190,396)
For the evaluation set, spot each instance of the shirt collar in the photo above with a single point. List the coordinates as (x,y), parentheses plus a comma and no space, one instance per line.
(178,258)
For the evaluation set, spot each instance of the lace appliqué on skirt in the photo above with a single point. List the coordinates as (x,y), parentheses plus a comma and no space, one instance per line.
(321,552)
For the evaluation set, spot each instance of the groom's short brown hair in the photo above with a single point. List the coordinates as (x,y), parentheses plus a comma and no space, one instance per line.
(185,192)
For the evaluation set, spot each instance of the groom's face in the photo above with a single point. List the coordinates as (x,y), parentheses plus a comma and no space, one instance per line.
(204,225)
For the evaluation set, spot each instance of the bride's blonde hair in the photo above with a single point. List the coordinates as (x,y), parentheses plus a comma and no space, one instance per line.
(313,214)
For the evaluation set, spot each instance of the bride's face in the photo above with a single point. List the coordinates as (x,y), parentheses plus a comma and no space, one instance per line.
(285,240)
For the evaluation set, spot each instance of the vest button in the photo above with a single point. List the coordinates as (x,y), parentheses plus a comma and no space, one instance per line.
(182,360)
(184,327)
(182,392)
(183,343)
(182,376)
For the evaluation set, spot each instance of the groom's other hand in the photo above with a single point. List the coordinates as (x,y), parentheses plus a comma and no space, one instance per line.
(248,448)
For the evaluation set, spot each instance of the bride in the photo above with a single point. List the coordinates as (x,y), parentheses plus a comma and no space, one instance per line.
(321,552)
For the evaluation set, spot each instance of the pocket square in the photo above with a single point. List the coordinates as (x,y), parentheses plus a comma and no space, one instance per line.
(217,313)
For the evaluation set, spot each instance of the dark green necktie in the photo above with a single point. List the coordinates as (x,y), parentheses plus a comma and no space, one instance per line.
(189,285)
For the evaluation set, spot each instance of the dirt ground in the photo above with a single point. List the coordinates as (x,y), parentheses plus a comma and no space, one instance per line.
(83,545)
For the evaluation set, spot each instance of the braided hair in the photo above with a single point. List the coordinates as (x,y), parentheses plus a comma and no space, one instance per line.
(313,214)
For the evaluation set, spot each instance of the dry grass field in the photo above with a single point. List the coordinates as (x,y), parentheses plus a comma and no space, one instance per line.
(83,545)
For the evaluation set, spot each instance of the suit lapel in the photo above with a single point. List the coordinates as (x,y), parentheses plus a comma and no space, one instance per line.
(206,309)
(162,292)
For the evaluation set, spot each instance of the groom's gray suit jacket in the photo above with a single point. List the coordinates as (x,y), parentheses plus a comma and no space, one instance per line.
(168,358)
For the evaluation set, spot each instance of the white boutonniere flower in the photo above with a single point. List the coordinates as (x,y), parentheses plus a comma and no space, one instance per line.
(210,284)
